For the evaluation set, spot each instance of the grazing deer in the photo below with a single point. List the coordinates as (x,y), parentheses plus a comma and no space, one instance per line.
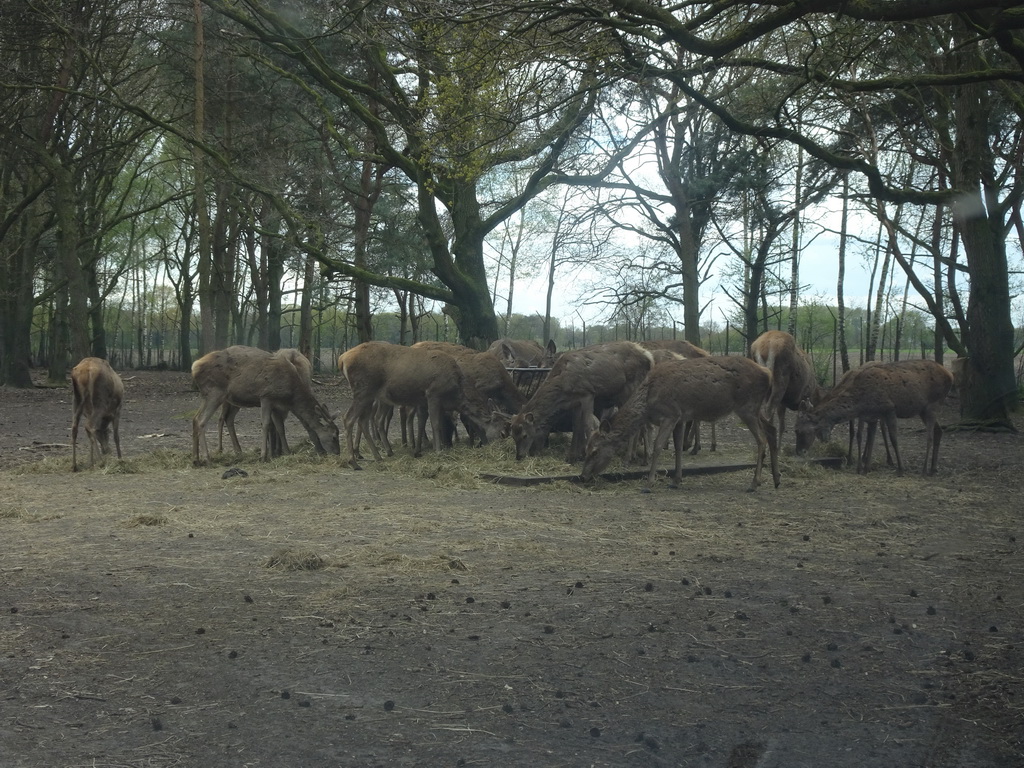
(484,372)
(882,392)
(662,349)
(279,441)
(677,392)
(97,392)
(524,353)
(599,376)
(792,372)
(857,428)
(246,377)
(426,380)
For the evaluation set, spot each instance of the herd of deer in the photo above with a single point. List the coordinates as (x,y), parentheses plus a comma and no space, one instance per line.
(645,391)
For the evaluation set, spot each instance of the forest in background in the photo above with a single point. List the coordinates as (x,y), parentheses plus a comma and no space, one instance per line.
(181,175)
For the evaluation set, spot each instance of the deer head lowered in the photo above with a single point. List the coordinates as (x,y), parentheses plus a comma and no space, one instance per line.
(427,380)
(97,392)
(794,381)
(882,392)
(679,391)
(246,377)
(603,375)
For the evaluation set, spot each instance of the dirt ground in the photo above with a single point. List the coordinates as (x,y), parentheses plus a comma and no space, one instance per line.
(155,614)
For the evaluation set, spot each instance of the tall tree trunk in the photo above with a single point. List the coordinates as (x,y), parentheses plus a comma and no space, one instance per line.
(987,385)
(223,252)
(689,273)
(274,248)
(306,308)
(59,334)
(206,300)
(370,184)
(794,274)
(844,350)
(17,269)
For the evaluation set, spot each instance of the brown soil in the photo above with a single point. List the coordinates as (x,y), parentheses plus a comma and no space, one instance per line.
(155,614)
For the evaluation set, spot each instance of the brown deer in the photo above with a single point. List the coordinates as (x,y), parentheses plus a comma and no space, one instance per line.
(697,389)
(246,377)
(857,428)
(428,381)
(524,353)
(599,376)
(792,372)
(882,392)
(279,441)
(484,372)
(97,393)
(662,349)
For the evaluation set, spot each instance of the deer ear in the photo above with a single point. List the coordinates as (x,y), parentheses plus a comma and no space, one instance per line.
(529,418)
(805,405)
(606,425)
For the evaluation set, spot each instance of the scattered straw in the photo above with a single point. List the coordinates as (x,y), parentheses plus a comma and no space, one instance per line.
(295,560)
(146,520)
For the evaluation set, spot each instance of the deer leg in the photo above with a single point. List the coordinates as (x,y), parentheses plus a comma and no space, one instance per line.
(933,435)
(890,421)
(94,444)
(773,452)
(383,425)
(660,440)
(267,421)
(864,459)
(436,414)
(886,441)
(936,439)
(76,416)
(849,447)
(679,443)
(380,420)
(279,417)
(579,417)
(200,448)
(115,426)
(357,423)
(763,432)
(227,420)
(366,428)
(691,437)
